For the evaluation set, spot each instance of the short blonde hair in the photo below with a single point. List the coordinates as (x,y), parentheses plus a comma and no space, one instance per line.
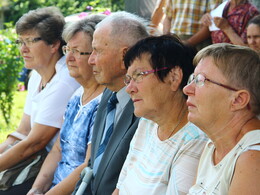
(240,65)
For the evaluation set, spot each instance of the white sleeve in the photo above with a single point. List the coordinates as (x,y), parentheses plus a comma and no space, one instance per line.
(183,172)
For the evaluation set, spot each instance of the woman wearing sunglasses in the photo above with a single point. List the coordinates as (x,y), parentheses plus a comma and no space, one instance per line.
(50,87)
(166,148)
(223,100)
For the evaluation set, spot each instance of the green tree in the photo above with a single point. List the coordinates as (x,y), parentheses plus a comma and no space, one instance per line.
(18,7)
(10,66)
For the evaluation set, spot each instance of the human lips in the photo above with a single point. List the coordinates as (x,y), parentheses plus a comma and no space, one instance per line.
(190,105)
(95,72)
(26,57)
(71,65)
(136,100)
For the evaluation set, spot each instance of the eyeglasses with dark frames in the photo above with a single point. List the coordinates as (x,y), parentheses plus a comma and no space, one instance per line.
(138,76)
(27,42)
(200,79)
(76,53)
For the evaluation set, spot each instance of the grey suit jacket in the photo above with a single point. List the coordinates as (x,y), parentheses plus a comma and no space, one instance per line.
(116,151)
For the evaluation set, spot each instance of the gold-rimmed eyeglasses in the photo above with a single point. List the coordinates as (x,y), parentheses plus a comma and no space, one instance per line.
(75,52)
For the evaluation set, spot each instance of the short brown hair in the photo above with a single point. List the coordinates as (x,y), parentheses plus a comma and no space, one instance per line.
(48,22)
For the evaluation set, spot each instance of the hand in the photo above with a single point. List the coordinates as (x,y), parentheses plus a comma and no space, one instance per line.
(221,23)
(35,191)
(206,19)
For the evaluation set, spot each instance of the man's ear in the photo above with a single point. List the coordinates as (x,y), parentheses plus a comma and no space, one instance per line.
(240,100)
(124,50)
(175,78)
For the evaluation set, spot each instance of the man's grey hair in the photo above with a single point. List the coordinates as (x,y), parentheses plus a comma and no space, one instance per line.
(127,28)
(86,25)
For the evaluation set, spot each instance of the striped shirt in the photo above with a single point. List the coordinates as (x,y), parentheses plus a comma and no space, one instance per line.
(186,14)
(161,167)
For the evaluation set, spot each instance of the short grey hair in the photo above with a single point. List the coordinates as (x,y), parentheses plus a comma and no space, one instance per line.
(86,25)
(127,28)
(240,65)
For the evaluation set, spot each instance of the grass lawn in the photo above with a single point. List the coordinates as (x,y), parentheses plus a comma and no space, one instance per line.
(17,111)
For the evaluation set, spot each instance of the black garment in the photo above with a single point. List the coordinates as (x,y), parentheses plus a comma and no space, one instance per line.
(21,189)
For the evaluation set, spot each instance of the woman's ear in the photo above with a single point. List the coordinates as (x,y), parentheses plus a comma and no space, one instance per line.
(175,76)
(240,100)
(55,46)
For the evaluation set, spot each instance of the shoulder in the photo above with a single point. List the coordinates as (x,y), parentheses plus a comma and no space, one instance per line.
(247,173)
(252,10)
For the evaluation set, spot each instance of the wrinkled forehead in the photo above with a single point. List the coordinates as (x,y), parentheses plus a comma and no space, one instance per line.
(102,37)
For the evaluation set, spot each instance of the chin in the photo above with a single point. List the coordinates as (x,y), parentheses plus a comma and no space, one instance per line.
(99,80)
(29,66)
(138,113)
(191,118)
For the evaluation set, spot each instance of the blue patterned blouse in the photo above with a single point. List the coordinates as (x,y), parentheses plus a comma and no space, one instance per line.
(75,134)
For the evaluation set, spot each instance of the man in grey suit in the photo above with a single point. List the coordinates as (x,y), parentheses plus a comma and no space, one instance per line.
(112,37)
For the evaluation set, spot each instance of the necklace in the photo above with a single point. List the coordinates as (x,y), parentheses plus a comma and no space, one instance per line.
(182,116)
(42,86)
(84,100)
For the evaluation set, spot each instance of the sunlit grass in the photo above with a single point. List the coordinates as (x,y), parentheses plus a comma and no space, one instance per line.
(17,111)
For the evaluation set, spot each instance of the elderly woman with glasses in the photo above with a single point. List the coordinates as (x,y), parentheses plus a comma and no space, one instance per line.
(50,87)
(166,148)
(71,152)
(223,100)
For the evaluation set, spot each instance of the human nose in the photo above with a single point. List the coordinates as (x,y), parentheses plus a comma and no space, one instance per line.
(91,59)
(131,87)
(70,52)
(189,88)
(23,48)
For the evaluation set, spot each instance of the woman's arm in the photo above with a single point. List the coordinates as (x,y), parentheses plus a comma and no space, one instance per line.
(38,138)
(24,129)
(223,24)
(44,179)
(157,14)
(168,18)
(66,186)
(167,25)
(247,174)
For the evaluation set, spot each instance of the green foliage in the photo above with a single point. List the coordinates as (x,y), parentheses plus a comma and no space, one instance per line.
(18,105)
(68,7)
(10,66)
(117,5)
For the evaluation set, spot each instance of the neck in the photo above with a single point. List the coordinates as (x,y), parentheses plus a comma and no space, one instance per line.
(47,71)
(170,124)
(227,137)
(116,85)
(91,92)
